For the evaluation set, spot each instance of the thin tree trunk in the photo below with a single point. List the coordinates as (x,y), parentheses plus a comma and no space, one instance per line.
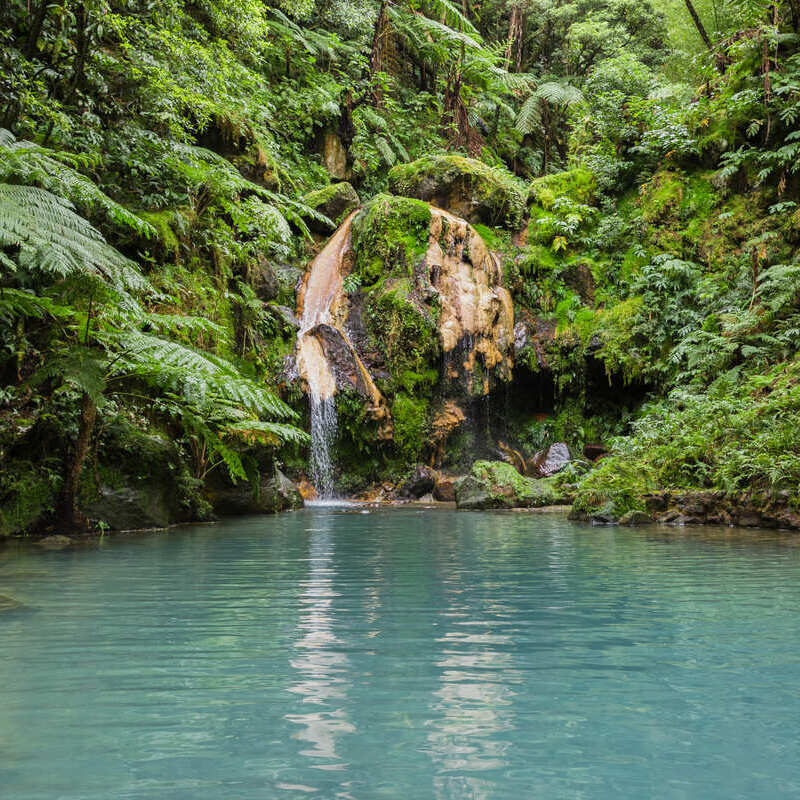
(376,50)
(699,24)
(794,5)
(515,28)
(73,465)
(546,145)
(82,43)
(36,28)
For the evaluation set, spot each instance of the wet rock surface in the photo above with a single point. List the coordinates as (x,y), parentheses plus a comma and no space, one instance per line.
(272,494)
(551,460)
(495,484)
(421,482)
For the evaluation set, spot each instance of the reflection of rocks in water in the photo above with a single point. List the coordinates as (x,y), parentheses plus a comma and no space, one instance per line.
(55,542)
(9,603)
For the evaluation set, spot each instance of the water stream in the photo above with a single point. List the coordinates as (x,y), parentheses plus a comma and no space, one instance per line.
(321,291)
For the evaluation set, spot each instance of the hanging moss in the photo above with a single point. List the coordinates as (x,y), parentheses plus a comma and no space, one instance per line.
(411,426)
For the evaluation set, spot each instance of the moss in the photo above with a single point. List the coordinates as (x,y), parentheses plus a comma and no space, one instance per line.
(579,185)
(506,487)
(662,196)
(163,222)
(403,329)
(390,236)
(27,493)
(494,239)
(411,425)
(335,201)
(466,186)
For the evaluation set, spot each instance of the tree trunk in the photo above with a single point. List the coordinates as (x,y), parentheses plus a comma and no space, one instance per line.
(794,5)
(698,24)
(546,143)
(376,50)
(68,511)
(36,28)
(515,29)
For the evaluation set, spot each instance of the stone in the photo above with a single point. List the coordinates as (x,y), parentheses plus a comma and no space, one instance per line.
(55,542)
(472,494)
(426,498)
(334,156)
(495,484)
(307,490)
(9,603)
(421,482)
(594,451)
(463,186)
(635,518)
(445,489)
(656,501)
(279,493)
(143,506)
(748,519)
(551,460)
(288,316)
(335,201)
(272,494)
(603,519)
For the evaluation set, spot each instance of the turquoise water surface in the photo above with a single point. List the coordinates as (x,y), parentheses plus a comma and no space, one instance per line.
(405,654)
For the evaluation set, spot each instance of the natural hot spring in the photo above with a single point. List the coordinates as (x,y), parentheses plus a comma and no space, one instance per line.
(405,654)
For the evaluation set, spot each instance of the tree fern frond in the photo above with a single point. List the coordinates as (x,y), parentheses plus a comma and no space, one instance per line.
(27,163)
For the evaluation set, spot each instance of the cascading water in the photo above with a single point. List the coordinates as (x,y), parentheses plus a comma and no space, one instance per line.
(321,290)
(323,434)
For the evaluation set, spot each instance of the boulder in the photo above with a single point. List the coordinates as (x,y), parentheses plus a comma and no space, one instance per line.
(272,494)
(144,505)
(334,156)
(55,542)
(445,489)
(635,518)
(495,484)
(551,460)
(421,482)
(335,201)
(463,186)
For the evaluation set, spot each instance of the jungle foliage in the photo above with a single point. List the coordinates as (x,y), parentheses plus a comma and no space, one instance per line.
(162,167)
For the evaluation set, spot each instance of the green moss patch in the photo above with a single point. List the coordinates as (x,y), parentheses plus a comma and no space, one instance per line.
(465,186)
(390,236)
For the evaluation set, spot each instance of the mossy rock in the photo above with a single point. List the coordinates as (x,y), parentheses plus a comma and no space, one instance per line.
(390,236)
(577,184)
(335,201)
(495,484)
(411,425)
(27,493)
(405,331)
(464,186)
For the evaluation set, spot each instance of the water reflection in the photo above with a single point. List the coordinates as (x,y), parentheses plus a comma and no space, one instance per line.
(404,654)
(320,663)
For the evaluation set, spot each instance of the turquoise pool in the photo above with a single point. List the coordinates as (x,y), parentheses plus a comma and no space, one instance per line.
(404,653)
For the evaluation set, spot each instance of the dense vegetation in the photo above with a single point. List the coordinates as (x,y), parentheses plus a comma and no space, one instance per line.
(168,168)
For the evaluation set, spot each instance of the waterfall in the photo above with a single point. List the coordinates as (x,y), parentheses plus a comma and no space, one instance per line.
(322,289)
(323,435)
